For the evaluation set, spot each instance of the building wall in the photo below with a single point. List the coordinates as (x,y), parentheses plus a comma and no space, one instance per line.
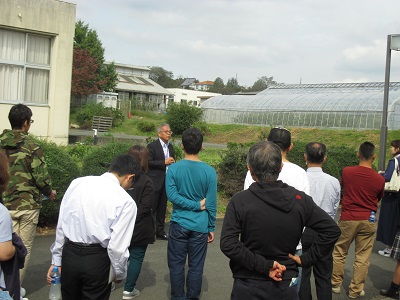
(190,96)
(55,19)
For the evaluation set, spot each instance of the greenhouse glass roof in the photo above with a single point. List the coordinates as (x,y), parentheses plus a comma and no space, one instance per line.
(310,97)
(333,105)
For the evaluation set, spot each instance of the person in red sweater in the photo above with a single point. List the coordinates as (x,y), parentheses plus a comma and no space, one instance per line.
(362,188)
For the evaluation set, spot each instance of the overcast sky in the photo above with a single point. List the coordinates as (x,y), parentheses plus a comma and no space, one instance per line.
(315,41)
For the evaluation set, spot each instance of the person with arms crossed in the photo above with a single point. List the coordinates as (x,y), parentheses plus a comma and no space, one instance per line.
(29,177)
(192,188)
(161,155)
(262,227)
(362,188)
(94,231)
(325,191)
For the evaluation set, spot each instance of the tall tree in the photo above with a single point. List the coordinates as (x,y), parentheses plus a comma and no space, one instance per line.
(164,77)
(84,66)
(87,38)
(218,86)
(232,86)
(262,83)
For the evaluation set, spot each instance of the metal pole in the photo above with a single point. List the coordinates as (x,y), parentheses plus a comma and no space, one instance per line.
(384,127)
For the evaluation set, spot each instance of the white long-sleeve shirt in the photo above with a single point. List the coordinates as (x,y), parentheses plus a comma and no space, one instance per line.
(291,174)
(97,210)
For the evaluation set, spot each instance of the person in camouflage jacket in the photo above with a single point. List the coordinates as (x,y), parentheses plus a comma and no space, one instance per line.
(29,177)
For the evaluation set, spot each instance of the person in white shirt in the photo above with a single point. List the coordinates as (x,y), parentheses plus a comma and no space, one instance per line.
(94,230)
(291,174)
(325,191)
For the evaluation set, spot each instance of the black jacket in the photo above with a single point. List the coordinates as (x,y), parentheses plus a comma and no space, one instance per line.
(157,163)
(143,194)
(265,223)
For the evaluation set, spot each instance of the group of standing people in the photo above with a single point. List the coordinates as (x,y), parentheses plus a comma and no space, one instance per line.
(276,231)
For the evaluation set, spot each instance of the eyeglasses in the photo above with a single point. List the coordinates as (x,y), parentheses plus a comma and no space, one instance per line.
(167,131)
(31,121)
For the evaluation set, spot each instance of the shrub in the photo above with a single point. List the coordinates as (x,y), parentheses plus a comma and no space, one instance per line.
(182,116)
(63,169)
(203,127)
(144,126)
(85,115)
(99,159)
(233,167)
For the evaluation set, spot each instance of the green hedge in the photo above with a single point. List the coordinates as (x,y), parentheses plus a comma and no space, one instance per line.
(233,167)
(63,169)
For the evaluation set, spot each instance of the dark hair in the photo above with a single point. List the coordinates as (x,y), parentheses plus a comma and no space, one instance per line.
(141,154)
(395,144)
(18,115)
(315,152)
(125,164)
(366,151)
(265,160)
(281,137)
(192,140)
(4,173)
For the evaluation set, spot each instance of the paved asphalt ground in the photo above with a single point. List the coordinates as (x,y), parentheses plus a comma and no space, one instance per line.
(153,282)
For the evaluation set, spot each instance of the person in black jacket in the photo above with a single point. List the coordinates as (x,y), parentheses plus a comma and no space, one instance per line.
(142,192)
(262,227)
(161,155)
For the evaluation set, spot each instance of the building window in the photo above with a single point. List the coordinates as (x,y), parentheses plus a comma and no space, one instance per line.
(24,67)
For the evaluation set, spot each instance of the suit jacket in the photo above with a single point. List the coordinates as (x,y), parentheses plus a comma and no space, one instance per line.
(157,166)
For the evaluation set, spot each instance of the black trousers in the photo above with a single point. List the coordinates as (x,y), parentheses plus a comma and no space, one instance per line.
(159,210)
(252,289)
(322,271)
(84,273)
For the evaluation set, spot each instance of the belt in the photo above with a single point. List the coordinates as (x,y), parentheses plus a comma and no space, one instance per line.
(83,245)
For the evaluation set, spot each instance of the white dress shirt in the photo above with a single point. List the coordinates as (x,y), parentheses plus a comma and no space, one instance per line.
(97,210)
(324,189)
(291,174)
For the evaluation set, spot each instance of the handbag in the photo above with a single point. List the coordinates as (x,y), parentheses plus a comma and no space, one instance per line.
(394,184)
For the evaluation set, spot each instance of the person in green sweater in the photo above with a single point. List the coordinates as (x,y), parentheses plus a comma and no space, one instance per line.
(29,177)
(191,186)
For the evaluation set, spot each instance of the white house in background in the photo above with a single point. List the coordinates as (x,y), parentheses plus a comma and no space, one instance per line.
(36,49)
(195,98)
(134,82)
(202,86)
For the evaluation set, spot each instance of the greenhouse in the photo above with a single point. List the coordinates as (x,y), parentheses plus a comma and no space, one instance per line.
(333,105)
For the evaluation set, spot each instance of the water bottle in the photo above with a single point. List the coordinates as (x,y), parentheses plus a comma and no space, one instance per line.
(55,286)
(372,217)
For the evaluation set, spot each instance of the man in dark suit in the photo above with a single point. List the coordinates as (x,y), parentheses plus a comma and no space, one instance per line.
(161,155)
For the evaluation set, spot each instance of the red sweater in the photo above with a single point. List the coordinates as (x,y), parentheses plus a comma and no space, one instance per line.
(362,189)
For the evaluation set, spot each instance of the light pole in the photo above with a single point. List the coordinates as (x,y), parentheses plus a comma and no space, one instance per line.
(393,43)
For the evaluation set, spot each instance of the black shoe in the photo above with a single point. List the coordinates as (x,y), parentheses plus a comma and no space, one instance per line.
(390,293)
(162,237)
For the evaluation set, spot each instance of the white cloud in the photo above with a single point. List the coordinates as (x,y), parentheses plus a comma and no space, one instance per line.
(318,41)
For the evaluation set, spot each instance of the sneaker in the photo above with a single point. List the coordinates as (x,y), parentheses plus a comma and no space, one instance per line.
(23,292)
(362,293)
(336,290)
(130,295)
(385,252)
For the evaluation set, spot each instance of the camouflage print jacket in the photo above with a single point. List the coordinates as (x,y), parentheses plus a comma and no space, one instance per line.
(29,176)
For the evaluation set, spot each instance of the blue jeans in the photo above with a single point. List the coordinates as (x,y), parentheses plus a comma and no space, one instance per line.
(181,243)
(136,256)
